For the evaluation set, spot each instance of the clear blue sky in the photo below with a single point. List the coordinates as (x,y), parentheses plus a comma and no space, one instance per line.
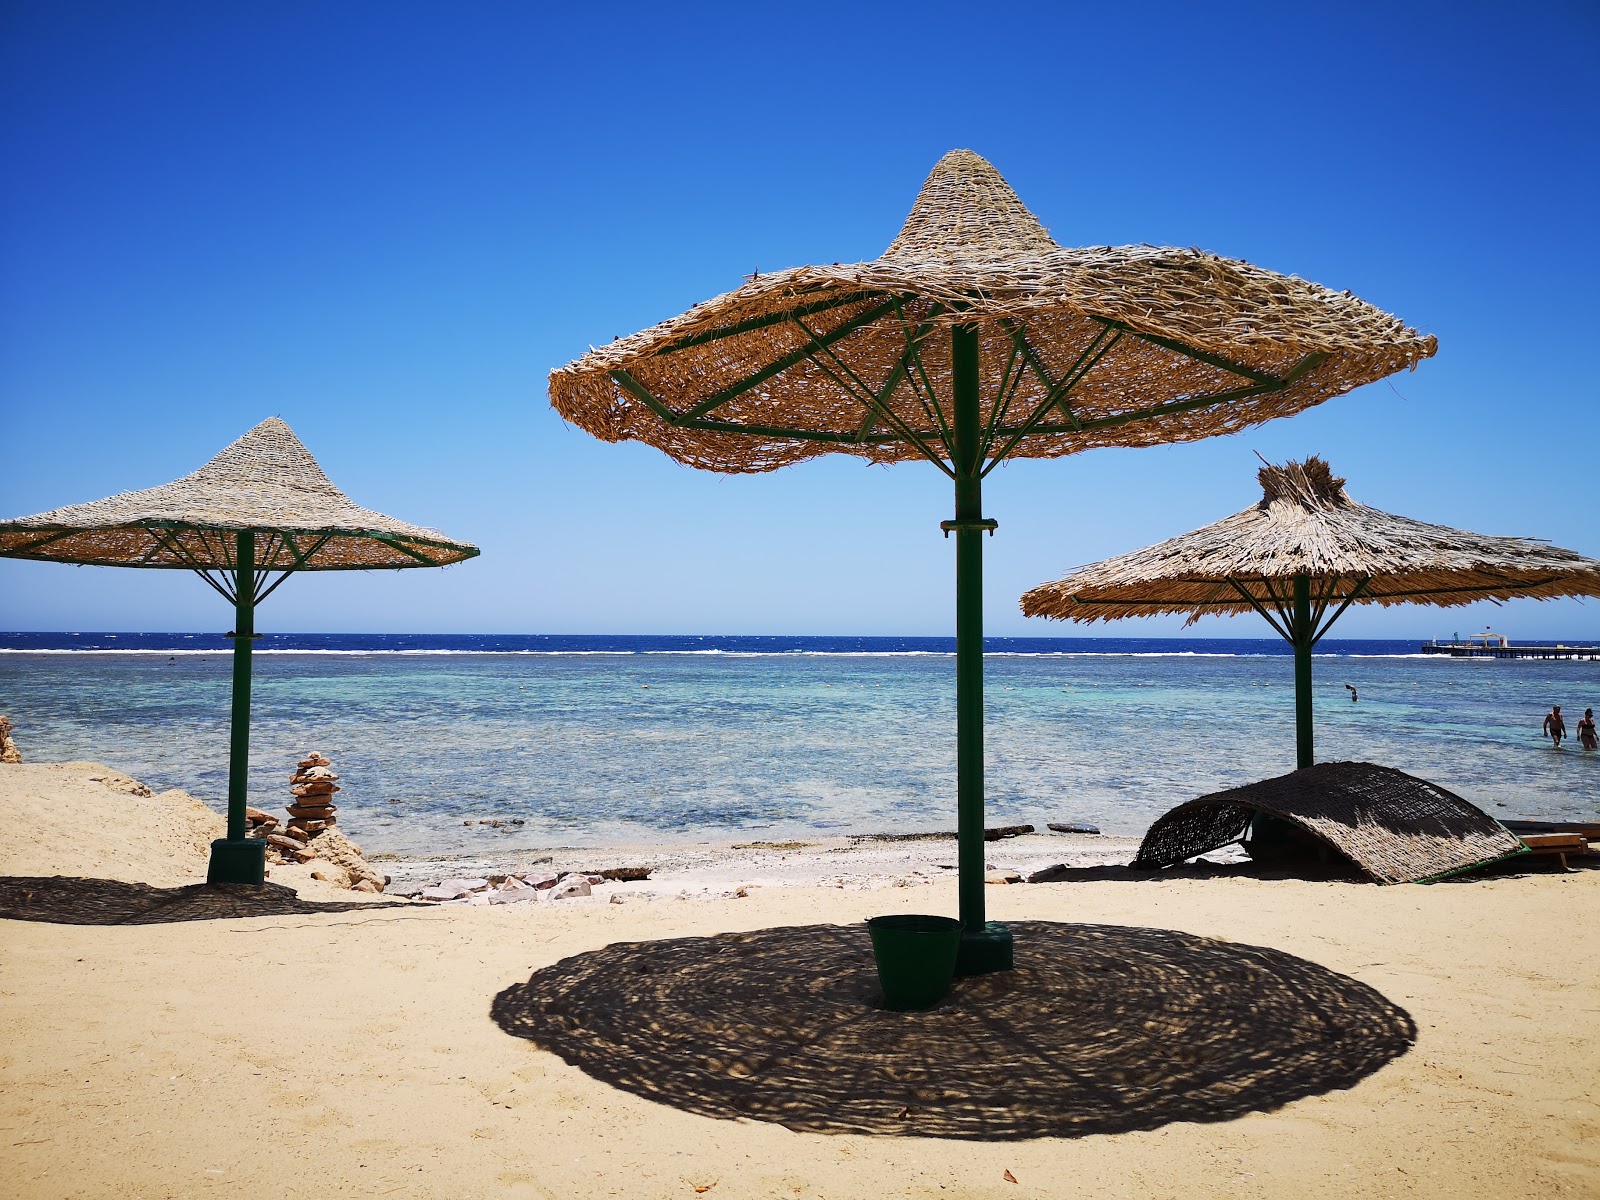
(386,222)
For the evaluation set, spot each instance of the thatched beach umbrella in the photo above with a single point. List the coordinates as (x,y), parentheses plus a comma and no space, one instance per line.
(975,338)
(262,506)
(1306,549)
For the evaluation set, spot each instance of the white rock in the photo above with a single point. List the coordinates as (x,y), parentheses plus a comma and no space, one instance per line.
(466,885)
(572,885)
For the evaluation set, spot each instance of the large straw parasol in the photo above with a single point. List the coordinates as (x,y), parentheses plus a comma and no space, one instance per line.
(975,338)
(260,507)
(1304,549)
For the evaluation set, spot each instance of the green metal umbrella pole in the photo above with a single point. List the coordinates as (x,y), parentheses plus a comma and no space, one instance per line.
(1303,642)
(261,506)
(238,858)
(972,340)
(985,947)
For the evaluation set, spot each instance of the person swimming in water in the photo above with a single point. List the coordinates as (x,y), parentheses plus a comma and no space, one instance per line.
(1555,726)
(1586,731)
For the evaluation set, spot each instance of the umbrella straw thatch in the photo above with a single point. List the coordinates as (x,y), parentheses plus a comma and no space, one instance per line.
(1303,555)
(261,506)
(975,338)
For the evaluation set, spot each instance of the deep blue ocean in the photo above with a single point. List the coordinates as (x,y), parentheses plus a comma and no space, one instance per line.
(598,740)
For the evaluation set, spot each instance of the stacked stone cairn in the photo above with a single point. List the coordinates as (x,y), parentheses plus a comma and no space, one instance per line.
(310,835)
(313,786)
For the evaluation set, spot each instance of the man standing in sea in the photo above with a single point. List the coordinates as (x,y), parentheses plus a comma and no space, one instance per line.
(1555,727)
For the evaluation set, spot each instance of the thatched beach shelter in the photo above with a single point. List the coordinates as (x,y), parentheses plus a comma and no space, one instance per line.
(1392,827)
(1303,555)
(261,507)
(972,339)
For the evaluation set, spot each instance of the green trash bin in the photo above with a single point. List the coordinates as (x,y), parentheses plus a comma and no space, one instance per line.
(916,958)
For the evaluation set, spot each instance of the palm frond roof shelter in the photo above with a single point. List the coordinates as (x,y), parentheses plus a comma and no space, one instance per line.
(1394,827)
(1301,556)
(974,338)
(261,506)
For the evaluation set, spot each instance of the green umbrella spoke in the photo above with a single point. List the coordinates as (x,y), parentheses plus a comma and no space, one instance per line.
(1057,394)
(1476,591)
(396,544)
(1177,406)
(929,398)
(1319,603)
(220,584)
(851,384)
(1204,356)
(1261,609)
(1010,376)
(777,366)
(166,539)
(753,323)
(264,555)
(642,394)
(1037,364)
(1283,605)
(302,558)
(1355,594)
(57,536)
(896,374)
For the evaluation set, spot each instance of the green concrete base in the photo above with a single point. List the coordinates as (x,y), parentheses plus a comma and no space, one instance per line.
(242,861)
(985,951)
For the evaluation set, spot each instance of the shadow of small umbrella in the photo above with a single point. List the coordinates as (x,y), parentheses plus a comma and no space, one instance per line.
(975,338)
(261,507)
(1306,549)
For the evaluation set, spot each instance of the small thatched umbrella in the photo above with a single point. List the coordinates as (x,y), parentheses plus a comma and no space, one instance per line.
(1304,549)
(975,338)
(261,506)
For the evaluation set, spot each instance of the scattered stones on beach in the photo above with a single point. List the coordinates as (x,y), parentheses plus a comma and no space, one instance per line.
(520,889)
(8,746)
(1006,831)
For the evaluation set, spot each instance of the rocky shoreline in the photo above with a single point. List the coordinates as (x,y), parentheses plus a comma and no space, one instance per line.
(723,870)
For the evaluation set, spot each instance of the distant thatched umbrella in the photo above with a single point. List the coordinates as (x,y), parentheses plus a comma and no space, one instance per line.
(261,506)
(1305,548)
(972,339)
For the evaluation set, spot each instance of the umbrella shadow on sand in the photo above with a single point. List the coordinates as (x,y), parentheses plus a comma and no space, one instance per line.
(1099,1029)
(69,900)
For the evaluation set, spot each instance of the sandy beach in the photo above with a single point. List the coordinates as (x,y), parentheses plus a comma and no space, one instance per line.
(352,1051)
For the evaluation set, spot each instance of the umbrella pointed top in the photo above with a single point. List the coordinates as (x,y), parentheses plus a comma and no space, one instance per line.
(1311,484)
(966,212)
(266,482)
(272,452)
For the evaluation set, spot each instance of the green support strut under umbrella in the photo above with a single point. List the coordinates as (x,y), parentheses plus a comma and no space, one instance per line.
(975,338)
(261,506)
(1306,549)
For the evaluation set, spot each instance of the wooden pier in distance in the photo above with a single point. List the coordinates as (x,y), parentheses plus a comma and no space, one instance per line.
(1492,650)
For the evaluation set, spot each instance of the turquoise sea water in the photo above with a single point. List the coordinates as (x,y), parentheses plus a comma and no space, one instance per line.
(598,741)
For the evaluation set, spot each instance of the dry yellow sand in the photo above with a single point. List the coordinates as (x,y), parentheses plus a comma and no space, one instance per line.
(352,1054)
